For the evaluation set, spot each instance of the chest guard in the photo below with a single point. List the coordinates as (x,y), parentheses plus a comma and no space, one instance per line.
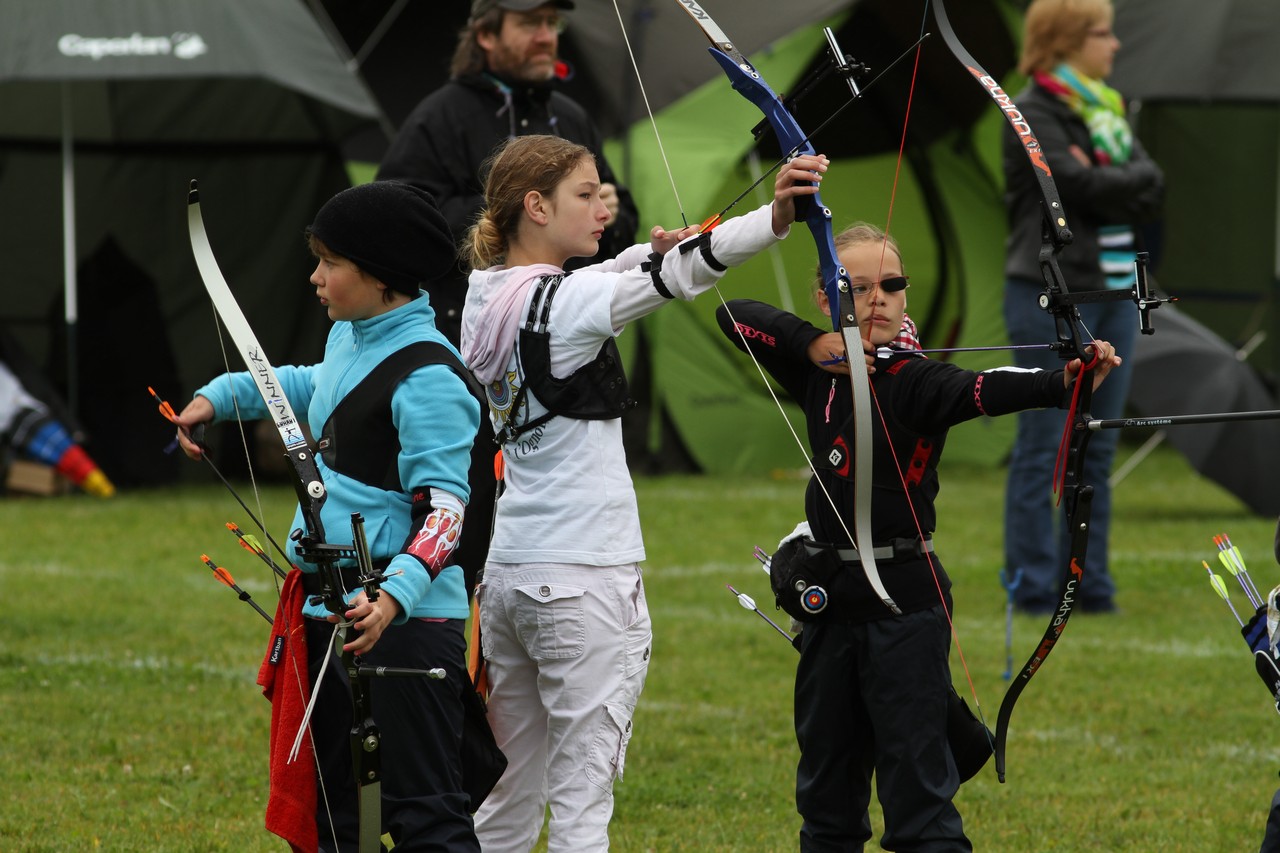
(359,439)
(596,391)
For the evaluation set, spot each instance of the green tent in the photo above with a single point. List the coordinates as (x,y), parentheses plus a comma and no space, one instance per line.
(705,407)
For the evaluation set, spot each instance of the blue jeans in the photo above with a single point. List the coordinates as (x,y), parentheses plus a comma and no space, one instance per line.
(1036,541)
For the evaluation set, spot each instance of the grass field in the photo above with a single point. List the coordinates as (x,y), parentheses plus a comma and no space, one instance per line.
(131,719)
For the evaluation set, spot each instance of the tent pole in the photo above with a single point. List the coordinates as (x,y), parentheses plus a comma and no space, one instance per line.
(70,287)
(362,53)
(352,64)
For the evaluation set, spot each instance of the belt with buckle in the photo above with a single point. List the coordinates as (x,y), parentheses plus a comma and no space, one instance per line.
(897,549)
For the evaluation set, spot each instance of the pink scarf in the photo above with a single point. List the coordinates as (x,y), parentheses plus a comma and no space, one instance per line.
(490,320)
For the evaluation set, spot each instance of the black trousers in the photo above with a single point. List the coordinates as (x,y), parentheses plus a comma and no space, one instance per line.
(872,698)
(420,721)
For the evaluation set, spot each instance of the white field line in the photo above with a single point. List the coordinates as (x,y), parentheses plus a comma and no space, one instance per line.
(253,579)
(147,663)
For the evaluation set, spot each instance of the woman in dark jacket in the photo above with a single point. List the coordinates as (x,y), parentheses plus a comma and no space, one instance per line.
(1108,185)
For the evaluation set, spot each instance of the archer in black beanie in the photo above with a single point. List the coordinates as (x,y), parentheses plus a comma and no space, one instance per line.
(391,230)
(395,420)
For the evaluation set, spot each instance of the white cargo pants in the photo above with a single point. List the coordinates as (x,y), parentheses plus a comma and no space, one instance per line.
(568,649)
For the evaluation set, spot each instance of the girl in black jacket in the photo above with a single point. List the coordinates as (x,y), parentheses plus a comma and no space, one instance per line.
(872,688)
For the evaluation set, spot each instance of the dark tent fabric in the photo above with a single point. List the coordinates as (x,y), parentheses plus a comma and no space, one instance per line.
(109,109)
(123,428)
(1205,78)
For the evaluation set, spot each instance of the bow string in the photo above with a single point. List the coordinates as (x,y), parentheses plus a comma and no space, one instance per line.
(793,141)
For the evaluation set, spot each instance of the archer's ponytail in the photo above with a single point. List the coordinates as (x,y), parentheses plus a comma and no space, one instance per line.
(485,245)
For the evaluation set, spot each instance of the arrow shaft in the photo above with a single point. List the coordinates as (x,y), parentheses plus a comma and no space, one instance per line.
(1175,420)
(747,602)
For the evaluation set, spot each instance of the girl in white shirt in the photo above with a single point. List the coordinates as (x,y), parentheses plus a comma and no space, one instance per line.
(565,628)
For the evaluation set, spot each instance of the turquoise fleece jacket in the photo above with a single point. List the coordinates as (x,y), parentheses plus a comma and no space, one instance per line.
(436,418)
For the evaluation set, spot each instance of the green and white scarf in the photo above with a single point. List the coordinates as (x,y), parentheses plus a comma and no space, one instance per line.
(1102,110)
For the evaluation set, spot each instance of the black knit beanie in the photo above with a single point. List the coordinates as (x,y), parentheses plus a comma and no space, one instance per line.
(391,230)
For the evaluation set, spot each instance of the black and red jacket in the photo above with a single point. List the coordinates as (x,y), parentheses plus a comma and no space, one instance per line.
(917,399)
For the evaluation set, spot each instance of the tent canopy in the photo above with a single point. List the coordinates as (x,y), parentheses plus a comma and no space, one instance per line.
(107,111)
(173,71)
(1190,50)
(1206,77)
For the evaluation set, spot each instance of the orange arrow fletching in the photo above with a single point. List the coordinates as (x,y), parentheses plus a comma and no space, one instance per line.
(165,408)
(218,572)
